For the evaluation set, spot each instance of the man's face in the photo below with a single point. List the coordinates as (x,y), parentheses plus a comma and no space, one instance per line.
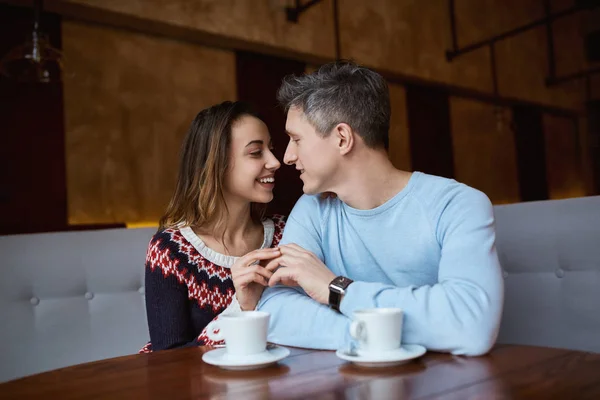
(316,157)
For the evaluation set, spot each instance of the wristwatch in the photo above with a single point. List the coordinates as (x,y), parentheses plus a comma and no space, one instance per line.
(337,290)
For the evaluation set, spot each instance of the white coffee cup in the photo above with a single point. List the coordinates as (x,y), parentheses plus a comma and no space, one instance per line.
(377,330)
(245,332)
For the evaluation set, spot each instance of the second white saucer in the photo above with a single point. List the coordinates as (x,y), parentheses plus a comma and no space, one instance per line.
(220,358)
(394,357)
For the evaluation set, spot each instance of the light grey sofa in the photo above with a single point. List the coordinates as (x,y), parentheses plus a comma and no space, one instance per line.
(69,298)
(550,252)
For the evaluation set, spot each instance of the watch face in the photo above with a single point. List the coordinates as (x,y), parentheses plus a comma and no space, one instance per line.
(341,282)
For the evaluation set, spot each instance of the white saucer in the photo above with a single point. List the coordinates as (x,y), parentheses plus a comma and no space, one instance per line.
(220,358)
(388,359)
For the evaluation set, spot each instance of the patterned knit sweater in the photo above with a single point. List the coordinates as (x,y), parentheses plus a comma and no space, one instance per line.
(188,285)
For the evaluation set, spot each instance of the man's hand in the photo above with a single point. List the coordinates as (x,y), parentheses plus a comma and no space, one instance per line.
(250,278)
(303,268)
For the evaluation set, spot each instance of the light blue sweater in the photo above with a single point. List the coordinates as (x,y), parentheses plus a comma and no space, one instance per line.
(429,250)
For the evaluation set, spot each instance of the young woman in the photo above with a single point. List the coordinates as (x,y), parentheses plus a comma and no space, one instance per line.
(205,257)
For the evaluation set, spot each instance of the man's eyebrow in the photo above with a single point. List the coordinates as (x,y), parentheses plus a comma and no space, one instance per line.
(255,142)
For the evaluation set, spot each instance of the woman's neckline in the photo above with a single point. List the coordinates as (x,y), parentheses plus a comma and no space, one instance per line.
(220,259)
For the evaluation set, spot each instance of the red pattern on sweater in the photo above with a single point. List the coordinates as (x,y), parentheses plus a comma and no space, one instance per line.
(162,257)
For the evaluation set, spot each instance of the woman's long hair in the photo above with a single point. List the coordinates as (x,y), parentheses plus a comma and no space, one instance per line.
(198,199)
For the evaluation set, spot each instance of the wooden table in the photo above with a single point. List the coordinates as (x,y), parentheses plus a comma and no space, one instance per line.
(508,372)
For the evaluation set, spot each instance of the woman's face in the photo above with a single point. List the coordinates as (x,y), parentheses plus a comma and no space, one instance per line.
(251,173)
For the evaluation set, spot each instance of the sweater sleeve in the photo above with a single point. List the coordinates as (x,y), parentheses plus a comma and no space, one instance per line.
(296,319)
(167,303)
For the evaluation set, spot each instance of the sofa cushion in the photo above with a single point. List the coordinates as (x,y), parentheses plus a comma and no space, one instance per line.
(71,297)
(550,253)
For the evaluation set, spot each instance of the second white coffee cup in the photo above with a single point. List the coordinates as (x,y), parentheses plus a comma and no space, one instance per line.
(377,330)
(244,332)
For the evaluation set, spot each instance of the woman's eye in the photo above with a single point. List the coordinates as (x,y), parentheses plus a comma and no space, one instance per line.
(256,153)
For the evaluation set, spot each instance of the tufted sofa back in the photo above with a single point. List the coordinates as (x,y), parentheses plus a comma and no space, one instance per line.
(71,297)
(550,252)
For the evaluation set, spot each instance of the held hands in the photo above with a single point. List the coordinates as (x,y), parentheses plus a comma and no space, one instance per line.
(250,278)
(301,268)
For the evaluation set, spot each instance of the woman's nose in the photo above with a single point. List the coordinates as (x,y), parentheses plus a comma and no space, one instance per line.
(273,163)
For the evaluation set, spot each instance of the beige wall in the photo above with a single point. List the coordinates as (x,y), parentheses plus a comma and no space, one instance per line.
(408,37)
(129,99)
(261,21)
(411,37)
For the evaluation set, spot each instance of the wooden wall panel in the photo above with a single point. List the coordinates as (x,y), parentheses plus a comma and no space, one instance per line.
(411,37)
(484,149)
(522,61)
(531,152)
(262,21)
(33,187)
(259,77)
(523,67)
(587,163)
(428,111)
(569,49)
(399,137)
(563,158)
(129,100)
(593,140)
(595,86)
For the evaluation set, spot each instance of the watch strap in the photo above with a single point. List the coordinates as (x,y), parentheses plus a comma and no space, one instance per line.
(337,289)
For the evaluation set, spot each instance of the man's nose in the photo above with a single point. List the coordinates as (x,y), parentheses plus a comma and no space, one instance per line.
(290,155)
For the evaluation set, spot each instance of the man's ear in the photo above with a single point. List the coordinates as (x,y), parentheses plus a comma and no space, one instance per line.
(345,138)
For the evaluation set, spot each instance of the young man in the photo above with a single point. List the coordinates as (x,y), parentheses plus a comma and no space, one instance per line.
(389,238)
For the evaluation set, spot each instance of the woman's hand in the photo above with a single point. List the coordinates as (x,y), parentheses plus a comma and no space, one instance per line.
(250,278)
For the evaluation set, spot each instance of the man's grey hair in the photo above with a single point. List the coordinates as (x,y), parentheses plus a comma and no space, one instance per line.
(341,92)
